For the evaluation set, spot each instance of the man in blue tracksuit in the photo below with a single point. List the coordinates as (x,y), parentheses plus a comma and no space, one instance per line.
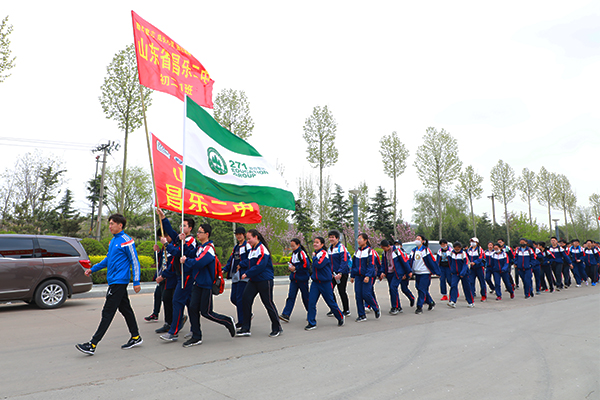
(120,262)
(204,269)
(322,273)
(183,291)
(236,266)
(524,258)
(394,271)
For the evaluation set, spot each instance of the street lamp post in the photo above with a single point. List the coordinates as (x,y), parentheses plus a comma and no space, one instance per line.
(556,227)
(493,208)
(355,194)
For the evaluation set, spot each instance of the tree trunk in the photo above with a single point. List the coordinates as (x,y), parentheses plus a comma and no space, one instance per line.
(472,216)
(321,195)
(506,220)
(122,202)
(566,227)
(573,223)
(549,219)
(439,198)
(529,203)
(395,214)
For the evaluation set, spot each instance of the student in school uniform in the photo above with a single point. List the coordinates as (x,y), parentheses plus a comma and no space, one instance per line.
(260,273)
(393,271)
(546,259)
(299,267)
(322,274)
(364,270)
(524,258)
(501,270)
(560,258)
(536,268)
(576,252)
(423,266)
(167,276)
(339,256)
(476,262)
(591,260)
(236,266)
(459,270)
(488,267)
(442,260)
(510,255)
(404,260)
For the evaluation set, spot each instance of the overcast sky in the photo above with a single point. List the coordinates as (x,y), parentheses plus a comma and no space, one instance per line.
(512,80)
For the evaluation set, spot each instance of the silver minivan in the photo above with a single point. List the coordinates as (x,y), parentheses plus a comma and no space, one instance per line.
(45,270)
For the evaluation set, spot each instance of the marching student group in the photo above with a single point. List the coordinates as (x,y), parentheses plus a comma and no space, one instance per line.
(186,277)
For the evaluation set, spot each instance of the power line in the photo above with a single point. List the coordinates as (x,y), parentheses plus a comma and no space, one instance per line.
(49,144)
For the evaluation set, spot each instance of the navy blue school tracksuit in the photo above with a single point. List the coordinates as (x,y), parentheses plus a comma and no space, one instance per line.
(181,295)
(591,260)
(560,258)
(576,255)
(339,261)
(442,260)
(298,281)
(364,265)
(406,278)
(524,259)
(501,270)
(488,270)
(476,255)
(203,269)
(399,270)
(459,271)
(546,260)
(238,258)
(422,264)
(536,268)
(167,271)
(260,271)
(321,286)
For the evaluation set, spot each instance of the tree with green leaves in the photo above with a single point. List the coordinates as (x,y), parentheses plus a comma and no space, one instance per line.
(6,62)
(232,111)
(362,201)
(504,187)
(595,203)
(527,185)
(470,188)
(68,220)
(394,155)
(340,211)
(319,132)
(564,198)
(438,164)
(121,101)
(545,190)
(380,215)
(137,200)
(304,222)
(308,195)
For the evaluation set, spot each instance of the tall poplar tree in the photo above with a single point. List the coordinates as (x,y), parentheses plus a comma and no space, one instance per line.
(394,155)
(545,189)
(6,62)
(470,188)
(504,186)
(232,111)
(527,185)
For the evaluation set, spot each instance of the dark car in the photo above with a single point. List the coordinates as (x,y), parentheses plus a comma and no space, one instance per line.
(42,269)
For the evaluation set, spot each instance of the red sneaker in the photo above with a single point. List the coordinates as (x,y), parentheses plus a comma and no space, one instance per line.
(444,298)
(499,298)
(483,298)
(512,295)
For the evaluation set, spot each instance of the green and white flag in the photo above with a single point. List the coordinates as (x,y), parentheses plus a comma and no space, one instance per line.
(219,164)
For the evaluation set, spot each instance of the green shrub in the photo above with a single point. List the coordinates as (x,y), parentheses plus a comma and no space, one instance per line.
(275,258)
(285,259)
(146,275)
(219,253)
(145,248)
(145,261)
(93,247)
(281,270)
(106,241)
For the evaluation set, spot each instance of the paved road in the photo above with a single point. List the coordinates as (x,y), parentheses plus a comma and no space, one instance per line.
(542,348)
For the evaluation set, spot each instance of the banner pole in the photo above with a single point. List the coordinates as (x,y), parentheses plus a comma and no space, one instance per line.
(183,181)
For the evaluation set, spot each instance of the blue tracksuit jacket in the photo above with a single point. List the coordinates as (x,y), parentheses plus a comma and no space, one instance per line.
(401,267)
(476,255)
(458,263)
(560,256)
(168,273)
(202,266)
(260,264)
(238,257)
(120,260)
(364,263)
(339,258)
(524,257)
(499,262)
(321,266)
(302,263)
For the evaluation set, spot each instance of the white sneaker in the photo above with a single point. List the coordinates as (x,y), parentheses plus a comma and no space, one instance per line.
(471,305)
(452,304)
(578,285)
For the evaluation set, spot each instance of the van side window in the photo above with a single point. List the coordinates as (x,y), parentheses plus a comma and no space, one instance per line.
(16,247)
(55,248)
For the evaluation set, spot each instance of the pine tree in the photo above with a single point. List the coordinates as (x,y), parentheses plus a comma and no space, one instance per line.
(380,213)
(303,220)
(340,211)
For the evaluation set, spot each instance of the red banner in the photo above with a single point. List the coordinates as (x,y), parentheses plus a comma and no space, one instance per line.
(165,66)
(169,174)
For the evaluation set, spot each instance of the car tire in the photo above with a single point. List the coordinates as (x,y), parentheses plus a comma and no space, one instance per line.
(51,294)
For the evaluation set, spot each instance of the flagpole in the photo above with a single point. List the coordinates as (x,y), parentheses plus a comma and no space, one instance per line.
(183,180)
(162,231)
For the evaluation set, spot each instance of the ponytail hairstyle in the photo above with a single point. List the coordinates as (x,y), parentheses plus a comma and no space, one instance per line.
(299,243)
(257,234)
(365,237)
(424,240)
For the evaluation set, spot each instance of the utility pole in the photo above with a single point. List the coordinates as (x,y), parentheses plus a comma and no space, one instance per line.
(355,194)
(106,148)
(95,199)
(493,209)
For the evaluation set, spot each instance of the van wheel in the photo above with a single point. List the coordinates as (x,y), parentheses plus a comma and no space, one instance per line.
(51,294)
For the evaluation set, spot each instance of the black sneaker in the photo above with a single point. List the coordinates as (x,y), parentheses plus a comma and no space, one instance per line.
(310,327)
(347,313)
(431,306)
(133,342)
(361,318)
(341,321)
(87,348)
(277,332)
(377,313)
(412,302)
(242,332)
(284,318)
(230,328)
(151,318)
(393,311)
(419,310)
(330,314)
(238,325)
(164,329)
(192,342)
